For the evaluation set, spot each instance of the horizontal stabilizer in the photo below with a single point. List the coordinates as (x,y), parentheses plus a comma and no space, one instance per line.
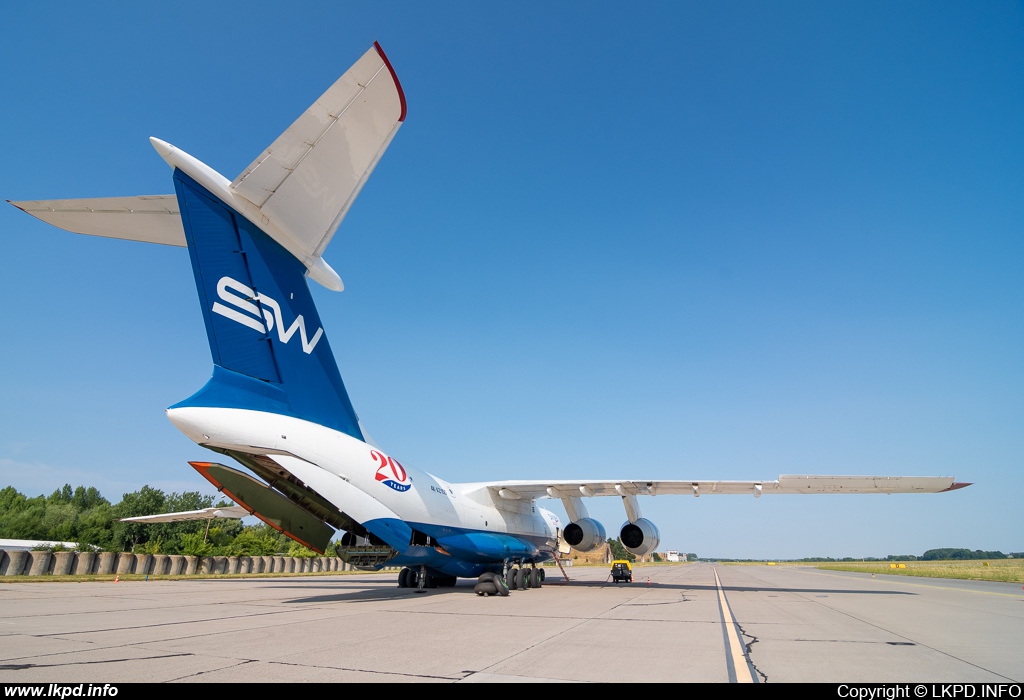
(148,218)
(307,179)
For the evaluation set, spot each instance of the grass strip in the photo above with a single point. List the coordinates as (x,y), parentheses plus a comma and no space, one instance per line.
(1005,570)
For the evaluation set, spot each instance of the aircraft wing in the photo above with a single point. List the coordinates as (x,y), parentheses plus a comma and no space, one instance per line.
(185,515)
(785,484)
(150,218)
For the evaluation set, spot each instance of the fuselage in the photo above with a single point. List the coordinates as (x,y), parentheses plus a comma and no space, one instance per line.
(469,530)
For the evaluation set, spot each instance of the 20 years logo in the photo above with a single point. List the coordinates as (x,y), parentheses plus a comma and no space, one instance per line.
(390,472)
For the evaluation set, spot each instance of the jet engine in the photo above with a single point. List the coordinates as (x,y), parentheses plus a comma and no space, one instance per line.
(640,538)
(584,535)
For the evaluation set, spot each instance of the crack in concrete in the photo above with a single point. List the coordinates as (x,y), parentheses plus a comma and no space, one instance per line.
(888,631)
(364,670)
(746,649)
(20,667)
(212,670)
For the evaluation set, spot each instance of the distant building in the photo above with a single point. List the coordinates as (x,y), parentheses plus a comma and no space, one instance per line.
(35,544)
(673,555)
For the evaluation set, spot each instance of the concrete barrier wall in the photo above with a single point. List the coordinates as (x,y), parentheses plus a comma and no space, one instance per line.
(14,563)
(125,563)
(39,563)
(63,562)
(106,562)
(85,562)
(42,563)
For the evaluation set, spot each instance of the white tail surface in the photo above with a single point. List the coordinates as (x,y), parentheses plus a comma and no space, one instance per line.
(297,191)
(307,179)
(148,218)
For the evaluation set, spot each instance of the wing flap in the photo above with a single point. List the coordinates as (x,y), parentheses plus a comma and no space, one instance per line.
(147,218)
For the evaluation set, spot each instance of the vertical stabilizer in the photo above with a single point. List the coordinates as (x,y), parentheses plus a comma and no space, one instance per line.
(269,349)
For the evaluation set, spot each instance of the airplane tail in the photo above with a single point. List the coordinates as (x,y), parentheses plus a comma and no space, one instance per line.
(254,240)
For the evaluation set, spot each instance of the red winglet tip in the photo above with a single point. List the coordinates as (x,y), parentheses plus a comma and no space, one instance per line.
(959,485)
(394,76)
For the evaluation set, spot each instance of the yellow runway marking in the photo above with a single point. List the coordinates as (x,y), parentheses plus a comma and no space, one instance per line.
(735,649)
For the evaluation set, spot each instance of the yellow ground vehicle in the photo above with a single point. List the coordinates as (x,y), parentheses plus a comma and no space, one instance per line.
(622,571)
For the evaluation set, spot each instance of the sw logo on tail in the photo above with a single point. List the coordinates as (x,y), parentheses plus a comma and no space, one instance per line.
(272,313)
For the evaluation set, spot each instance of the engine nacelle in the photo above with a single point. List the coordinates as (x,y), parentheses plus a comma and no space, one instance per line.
(640,538)
(584,535)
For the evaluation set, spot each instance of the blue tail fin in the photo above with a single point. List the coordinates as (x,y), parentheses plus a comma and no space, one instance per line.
(269,348)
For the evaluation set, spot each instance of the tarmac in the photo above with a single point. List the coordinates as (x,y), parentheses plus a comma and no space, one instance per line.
(694,622)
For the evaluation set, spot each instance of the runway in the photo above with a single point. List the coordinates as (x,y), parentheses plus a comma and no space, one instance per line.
(698,622)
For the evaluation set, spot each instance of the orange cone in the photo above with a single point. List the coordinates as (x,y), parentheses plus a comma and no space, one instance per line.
(117,578)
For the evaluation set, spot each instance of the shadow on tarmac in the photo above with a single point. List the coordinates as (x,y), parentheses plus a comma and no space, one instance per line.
(466,588)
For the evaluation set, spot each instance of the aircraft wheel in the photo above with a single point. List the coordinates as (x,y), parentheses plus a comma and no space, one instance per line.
(534,578)
(403,578)
(500,586)
(521,584)
(510,579)
(541,570)
(485,588)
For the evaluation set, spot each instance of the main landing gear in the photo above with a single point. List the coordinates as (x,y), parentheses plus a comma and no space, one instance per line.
(490,583)
(420,579)
(519,579)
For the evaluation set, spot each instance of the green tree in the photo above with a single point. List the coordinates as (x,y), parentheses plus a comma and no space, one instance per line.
(24,520)
(619,551)
(957,553)
(66,515)
(145,501)
(171,533)
(254,541)
(192,544)
(58,522)
(297,550)
(87,498)
(150,547)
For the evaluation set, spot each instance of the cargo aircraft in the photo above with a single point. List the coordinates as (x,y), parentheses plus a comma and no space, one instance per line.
(276,403)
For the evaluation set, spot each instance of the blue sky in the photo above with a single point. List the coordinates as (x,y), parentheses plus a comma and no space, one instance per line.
(683,240)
